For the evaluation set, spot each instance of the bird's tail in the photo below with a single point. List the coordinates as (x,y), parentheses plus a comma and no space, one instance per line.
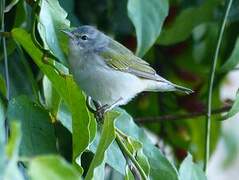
(182,89)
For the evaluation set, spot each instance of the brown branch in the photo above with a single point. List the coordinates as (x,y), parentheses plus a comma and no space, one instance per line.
(180,116)
(5,34)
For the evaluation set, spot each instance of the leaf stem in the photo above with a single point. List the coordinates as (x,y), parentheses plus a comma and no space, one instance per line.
(211,81)
(29,73)
(125,150)
(5,51)
(5,66)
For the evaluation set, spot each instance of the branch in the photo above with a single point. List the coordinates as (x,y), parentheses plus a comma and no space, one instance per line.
(5,34)
(180,116)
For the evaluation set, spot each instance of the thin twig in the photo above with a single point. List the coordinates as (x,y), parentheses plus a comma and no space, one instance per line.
(5,66)
(5,51)
(180,116)
(211,81)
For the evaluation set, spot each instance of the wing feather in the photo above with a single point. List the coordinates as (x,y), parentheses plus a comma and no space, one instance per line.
(120,58)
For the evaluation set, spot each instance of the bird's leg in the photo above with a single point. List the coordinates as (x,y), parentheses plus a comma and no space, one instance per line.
(105,108)
(89,104)
(92,105)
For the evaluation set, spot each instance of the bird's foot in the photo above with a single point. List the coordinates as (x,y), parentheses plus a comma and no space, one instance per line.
(100,112)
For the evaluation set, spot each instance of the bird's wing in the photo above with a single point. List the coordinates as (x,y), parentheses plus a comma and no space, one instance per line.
(120,58)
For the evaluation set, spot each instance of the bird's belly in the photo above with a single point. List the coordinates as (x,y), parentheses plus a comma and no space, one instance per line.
(108,86)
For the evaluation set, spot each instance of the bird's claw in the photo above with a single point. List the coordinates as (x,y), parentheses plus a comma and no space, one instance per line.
(100,112)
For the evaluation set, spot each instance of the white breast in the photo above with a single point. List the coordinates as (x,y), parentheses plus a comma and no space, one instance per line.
(103,83)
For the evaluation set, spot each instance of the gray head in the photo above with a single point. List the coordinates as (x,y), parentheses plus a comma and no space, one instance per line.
(86,39)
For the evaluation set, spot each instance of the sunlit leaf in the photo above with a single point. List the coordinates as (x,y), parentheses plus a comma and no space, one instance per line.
(64,116)
(148,18)
(113,157)
(160,167)
(107,137)
(128,174)
(135,147)
(191,171)
(52,167)
(52,19)
(52,99)
(80,118)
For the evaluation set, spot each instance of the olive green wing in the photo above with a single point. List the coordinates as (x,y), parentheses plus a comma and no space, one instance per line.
(120,58)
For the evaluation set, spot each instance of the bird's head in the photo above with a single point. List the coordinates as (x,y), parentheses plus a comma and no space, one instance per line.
(86,39)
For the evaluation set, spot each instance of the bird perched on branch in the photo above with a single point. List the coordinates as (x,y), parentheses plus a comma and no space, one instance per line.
(110,73)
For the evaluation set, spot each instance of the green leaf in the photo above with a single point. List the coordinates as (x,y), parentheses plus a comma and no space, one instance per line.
(235,108)
(12,148)
(148,18)
(52,167)
(69,7)
(52,99)
(186,21)
(160,167)
(191,171)
(197,143)
(10,5)
(10,49)
(64,116)
(2,86)
(38,136)
(21,15)
(230,142)
(11,171)
(135,147)
(233,60)
(113,157)
(52,18)
(80,127)
(106,139)
(128,174)
(20,80)
(2,138)
(67,89)
(92,127)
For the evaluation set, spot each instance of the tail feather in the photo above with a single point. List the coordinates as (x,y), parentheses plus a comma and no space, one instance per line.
(163,85)
(183,89)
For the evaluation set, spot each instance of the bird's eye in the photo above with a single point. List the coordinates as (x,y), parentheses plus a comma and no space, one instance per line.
(84,37)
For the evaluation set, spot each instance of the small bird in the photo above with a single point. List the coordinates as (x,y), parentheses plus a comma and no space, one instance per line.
(110,73)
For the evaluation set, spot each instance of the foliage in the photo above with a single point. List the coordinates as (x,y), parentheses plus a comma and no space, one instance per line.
(52,133)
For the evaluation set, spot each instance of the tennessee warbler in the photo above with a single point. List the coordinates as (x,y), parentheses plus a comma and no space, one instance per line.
(108,72)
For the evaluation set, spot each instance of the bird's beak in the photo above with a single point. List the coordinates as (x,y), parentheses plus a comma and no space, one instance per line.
(68,33)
